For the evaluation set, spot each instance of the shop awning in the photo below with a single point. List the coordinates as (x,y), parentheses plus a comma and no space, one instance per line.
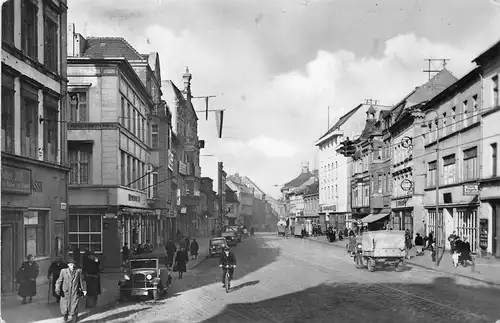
(374,217)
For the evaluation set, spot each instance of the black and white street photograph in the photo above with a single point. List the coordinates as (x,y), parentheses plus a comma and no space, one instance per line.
(250,161)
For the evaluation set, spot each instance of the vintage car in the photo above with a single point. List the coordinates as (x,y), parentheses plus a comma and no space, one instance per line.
(237,231)
(216,246)
(386,247)
(230,235)
(147,275)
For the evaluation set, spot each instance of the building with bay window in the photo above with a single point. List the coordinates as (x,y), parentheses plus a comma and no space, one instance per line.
(113,93)
(33,139)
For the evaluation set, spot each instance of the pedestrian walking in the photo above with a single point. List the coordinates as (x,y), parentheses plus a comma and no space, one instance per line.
(419,244)
(125,254)
(181,260)
(26,278)
(170,248)
(76,255)
(71,287)
(54,272)
(91,272)
(194,249)
(188,243)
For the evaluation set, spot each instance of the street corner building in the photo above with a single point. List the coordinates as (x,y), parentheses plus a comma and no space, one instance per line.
(113,153)
(34,164)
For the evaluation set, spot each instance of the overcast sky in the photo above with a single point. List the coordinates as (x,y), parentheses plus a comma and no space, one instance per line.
(275,66)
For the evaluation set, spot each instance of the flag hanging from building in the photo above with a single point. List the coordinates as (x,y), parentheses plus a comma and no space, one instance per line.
(206,108)
(219,121)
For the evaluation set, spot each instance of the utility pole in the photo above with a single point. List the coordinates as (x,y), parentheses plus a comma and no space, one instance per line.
(430,68)
(222,183)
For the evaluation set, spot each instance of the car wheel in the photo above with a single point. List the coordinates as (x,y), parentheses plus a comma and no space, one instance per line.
(156,294)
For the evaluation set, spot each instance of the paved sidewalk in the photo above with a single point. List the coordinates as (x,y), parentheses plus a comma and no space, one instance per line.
(486,270)
(202,252)
(41,311)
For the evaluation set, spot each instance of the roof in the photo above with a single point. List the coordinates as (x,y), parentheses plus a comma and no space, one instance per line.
(493,50)
(180,96)
(339,123)
(100,47)
(312,189)
(426,92)
(298,181)
(231,196)
(241,187)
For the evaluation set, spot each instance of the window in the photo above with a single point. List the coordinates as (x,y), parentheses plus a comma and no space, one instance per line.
(85,231)
(7,113)
(8,22)
(431,174)
(143,130)
(470,164)
(444,124)
(474,108)
(123,168)
(50,129)
(154,183)
(29,28)
(453,119)
(154,136)
(432,221)
(35,237)
(51,40)
(80,156)
(29,121)
(78,107)
(466,225)
(134,174)
(134,121)
(336,191)
(129,116)
(379,183)
(124,112)
(449,168)
(495,91)
(466,115)
(494,160)
(129,169)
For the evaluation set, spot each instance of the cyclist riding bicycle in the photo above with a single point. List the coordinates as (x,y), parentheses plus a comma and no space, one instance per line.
(227,259)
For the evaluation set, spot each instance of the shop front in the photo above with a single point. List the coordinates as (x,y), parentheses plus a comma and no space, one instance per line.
(34,215)
(490,217)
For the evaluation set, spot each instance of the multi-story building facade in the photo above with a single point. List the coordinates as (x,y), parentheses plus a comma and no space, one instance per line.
(311,203)
(334,184)
(208,202)
(233,206)
(187,145)
(453,117)
(489,226)
(288,190)
(407,171)
(109,147)
(245,197)
(34,156)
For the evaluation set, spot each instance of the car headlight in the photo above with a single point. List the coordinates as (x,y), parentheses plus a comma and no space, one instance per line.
(127,277)
(149,277)
(359,245)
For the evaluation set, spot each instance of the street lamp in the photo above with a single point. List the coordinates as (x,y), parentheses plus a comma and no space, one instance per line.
(438,217)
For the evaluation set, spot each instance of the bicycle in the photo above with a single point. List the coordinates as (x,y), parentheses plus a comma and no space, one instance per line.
(227,284)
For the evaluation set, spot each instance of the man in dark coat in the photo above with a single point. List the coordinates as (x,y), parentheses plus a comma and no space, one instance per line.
(26,277)
(125,253)
(181,260)
(227,259)
(54,272)
(71,287)
(170,248)
(91,271)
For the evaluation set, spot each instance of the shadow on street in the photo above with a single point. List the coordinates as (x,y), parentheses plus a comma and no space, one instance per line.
(442,301)
(240,286)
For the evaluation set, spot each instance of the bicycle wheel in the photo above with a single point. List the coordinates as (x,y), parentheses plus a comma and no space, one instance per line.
(227,282)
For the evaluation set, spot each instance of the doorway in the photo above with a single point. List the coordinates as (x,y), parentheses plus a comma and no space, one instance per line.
(495,216)
(59,236)
(7,259)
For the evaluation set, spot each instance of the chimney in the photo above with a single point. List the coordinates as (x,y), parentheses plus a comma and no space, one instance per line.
(76,42)
(186,77)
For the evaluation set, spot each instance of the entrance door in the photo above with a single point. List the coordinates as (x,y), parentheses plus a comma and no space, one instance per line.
(59,234)
(7,259)
(495,207)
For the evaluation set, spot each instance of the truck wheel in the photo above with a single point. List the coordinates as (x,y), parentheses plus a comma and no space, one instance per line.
(371,265)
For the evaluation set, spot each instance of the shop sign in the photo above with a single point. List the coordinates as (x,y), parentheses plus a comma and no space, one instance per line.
(470,189)
(328,208)
(182,168)
(16,180)
(183,210)
(401,203)
(170,160)
(134,198)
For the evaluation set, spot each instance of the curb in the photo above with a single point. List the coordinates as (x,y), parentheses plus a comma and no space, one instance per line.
(490,283)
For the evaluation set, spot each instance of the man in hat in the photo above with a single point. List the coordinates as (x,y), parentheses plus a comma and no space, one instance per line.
(71,287)
(54,272)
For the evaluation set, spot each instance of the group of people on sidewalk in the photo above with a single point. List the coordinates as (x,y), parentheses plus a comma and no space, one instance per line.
(67,282)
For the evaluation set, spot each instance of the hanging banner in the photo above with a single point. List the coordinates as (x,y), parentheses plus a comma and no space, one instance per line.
(219,120)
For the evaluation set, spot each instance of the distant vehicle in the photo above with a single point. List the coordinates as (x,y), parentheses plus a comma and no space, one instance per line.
(216,246)
(238,233)
(230,235)
(147,275)
(384,246)
(281,228)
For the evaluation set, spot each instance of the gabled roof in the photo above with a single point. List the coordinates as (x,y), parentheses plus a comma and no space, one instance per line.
(102,47)
(241,187)
(338,124)
(254,185)
(180,96)
(312,189)
(298,181)
(231,196)
(493,50)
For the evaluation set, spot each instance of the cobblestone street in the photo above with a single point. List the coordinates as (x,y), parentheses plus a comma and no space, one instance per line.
(292,280)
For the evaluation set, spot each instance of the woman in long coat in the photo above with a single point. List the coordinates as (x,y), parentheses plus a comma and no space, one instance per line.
(71,287)
(181,259)
(26,277)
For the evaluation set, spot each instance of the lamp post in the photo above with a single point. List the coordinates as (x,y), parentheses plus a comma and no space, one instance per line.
(438,217)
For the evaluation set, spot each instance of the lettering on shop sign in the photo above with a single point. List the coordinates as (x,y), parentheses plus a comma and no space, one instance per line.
(134,198)
(401,203)
(16,180)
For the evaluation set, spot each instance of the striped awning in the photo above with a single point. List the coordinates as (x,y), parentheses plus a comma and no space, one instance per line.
(374,217)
